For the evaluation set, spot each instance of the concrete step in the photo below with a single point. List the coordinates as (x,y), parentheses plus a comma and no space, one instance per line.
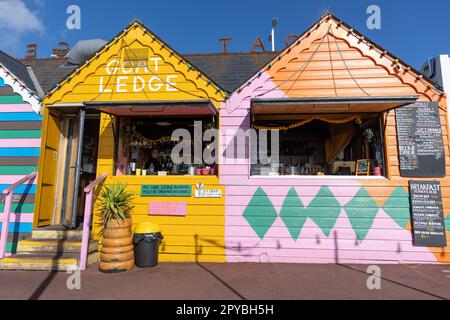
(44,261)
(53,246)
(57,234)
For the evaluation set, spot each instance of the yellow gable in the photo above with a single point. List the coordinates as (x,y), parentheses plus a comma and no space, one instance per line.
(135,66)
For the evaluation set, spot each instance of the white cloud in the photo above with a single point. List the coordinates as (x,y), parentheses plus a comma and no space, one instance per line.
(16,19)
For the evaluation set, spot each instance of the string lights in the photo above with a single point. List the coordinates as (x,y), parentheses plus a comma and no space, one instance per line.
(355,118)
(361,38)
(134,25)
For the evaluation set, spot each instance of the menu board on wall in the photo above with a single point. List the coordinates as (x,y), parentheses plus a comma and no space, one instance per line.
(420,144)
(427,214)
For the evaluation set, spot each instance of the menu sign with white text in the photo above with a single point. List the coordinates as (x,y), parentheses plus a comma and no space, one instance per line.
(427,214)
(420,144)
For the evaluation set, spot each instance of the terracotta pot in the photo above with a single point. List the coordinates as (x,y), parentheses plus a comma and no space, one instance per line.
(117,249)
(116,257)
(198,172)
(117,254)
(116,223)
(212,171)
(116,233)
(119,242)
(114,267)
(205,171)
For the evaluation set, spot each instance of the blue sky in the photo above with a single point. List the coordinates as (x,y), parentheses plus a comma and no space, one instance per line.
(412,30)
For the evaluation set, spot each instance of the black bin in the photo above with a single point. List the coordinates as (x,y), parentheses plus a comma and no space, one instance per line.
(147,238)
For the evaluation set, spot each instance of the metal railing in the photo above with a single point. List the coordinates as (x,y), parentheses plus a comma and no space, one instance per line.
(8,193)
(89,190)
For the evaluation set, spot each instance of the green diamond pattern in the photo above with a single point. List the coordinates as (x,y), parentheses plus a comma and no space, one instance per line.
(293,213)
(324,210)
(260,213)
(397,207)
(361,212)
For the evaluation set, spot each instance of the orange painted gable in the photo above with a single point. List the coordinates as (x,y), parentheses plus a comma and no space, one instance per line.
(332,60)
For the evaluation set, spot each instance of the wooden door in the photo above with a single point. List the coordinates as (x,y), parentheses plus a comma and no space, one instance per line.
(48,164)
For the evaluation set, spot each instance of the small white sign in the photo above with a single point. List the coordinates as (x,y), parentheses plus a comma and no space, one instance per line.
(206,193)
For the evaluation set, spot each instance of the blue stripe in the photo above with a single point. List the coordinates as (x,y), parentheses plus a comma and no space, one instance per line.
(19,152)
(23,189)
(19,227)
(19,116)
(2,82)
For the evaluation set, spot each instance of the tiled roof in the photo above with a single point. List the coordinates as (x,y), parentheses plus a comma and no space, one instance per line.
(49,71)
(18,69)
(229,70)
(232,69)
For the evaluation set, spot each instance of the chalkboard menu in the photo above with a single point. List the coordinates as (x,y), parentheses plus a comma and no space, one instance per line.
(427,214)
(420,144)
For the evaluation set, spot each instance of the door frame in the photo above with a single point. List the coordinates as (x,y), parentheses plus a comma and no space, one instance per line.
(41,166)
(59,182)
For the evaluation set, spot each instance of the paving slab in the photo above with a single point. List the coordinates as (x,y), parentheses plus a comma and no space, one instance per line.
(234,281)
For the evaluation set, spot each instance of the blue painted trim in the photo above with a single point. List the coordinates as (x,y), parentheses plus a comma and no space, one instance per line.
(20,116)
(19,152)
(19,227)
(2,82)
(23,189)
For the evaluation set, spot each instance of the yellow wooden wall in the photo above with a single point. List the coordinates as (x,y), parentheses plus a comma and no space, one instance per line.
(198,236)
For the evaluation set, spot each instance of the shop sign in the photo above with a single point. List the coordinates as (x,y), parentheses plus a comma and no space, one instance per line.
(420,145)
(133,76)
(207,193)
(170,208)
(166,190)
(427,214)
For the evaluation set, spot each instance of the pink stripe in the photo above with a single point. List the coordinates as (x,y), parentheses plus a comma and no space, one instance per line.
(15,108)
(20,143)
(12,179)
(21,217)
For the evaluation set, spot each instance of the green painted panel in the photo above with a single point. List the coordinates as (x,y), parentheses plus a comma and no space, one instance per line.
(447,223)
(11,247)
(293,213)
(6,170)
(13,99)
(323,207)
(20,134)
(166,190)
(260,206)
(355,209)
(19,208)
(397,207)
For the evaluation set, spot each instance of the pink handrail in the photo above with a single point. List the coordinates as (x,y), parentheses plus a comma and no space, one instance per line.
(89,190)
(9,192)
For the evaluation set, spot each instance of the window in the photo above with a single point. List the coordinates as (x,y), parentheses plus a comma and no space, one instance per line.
(322,144)
(145,146)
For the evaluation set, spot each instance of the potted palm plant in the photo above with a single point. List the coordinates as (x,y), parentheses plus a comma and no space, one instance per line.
(115,206)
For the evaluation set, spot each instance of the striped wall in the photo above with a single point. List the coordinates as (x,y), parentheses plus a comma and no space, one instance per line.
(323,219)
(20,133)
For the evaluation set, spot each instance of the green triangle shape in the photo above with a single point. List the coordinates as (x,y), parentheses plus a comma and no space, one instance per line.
(361,212)
(260,213)
(293,213)
(324,210)
(397,207)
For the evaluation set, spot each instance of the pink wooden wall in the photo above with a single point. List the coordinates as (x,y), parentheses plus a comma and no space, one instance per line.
(315,220)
